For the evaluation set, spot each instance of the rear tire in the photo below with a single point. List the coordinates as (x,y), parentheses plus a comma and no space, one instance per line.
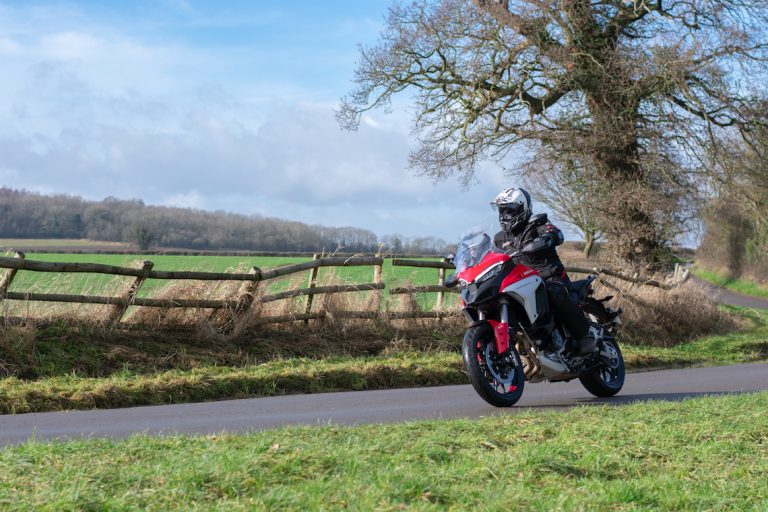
(498,381)
(608,378)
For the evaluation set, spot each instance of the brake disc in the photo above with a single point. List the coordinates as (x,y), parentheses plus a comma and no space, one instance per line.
(489,363)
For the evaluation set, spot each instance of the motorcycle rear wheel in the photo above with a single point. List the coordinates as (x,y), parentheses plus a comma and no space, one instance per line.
(608,378)
(498,380)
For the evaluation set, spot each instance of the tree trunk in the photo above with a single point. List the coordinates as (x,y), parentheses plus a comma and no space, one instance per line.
(590,242)
(628,201)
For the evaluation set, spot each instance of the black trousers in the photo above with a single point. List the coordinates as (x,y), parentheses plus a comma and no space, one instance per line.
(570,314)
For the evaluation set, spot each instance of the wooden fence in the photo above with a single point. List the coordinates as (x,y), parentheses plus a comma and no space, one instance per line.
(239,305)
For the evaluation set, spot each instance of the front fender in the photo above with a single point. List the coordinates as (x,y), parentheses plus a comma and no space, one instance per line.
(500,333)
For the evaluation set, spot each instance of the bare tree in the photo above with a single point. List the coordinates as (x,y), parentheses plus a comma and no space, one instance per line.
(633,88)
(565,186)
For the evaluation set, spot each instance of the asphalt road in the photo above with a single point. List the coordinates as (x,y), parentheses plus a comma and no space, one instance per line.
(736,299)
(387,406)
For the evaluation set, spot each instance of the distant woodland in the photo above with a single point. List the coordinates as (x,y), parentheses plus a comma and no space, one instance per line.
(25,214)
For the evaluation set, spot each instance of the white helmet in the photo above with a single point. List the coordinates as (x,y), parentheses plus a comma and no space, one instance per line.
(514,205)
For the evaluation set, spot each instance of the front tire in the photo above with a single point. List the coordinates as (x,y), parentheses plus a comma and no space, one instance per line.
(607,378)
(498,380)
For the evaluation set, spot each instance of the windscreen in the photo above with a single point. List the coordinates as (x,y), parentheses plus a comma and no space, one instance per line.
(471,249)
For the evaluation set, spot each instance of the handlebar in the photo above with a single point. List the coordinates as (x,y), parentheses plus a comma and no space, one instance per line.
(451,281)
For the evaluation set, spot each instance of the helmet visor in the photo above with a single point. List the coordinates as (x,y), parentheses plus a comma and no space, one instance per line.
(510,216)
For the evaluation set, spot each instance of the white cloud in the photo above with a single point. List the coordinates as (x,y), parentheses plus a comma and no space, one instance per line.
(94,112)
(8,46)
(191,199)
(8,176)
(297,165)
(70,46)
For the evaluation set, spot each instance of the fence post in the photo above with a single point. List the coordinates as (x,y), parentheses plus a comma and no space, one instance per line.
(312,284)
(377,278)
(8,277)
(244,301)
(440,295)
(119,310)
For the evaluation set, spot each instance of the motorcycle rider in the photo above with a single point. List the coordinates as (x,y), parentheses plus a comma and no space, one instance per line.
(537,239)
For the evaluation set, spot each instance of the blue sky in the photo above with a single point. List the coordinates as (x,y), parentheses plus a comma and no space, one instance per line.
(214,105)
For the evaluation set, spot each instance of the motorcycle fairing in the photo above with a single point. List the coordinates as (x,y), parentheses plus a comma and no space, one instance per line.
(518,272)
(521,284)
(474,294)
(489,261)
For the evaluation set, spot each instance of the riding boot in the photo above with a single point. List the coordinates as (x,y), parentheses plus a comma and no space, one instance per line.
(587,344)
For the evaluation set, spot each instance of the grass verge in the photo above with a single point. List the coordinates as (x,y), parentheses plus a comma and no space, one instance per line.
(731,283)
(708,453)
(200,376)
(289,376)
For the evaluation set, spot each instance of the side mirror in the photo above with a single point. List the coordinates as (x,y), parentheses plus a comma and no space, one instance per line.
(451,281)
(449,257)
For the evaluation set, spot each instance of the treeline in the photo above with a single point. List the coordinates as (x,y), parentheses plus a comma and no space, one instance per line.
(25,214)
(736,238)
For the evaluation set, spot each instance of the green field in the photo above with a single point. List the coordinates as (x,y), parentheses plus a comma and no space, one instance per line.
(49,243)
(708,453)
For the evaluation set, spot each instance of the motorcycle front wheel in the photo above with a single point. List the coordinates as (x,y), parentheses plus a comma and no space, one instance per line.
(498,379)
(607,378)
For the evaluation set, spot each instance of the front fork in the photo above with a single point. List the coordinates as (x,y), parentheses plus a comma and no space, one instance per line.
(501,329)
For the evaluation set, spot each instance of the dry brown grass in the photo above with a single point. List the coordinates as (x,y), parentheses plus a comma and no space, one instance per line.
(572,253)
(17,346)
(653,316)
(158,317)
(661,318)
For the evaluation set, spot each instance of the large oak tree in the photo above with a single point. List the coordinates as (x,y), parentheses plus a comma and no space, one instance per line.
(632,90)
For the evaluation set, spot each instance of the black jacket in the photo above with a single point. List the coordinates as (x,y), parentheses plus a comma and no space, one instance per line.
(537,241)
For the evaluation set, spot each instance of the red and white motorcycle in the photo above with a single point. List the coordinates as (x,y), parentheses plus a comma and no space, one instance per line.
(513,335)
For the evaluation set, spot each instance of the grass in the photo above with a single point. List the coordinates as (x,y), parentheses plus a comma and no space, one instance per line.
(67,373)
(731,283)
(708,453)
(289,376)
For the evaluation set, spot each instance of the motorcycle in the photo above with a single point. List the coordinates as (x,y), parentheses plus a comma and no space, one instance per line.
(514,337)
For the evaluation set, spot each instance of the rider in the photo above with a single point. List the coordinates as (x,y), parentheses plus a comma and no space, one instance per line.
(537,238)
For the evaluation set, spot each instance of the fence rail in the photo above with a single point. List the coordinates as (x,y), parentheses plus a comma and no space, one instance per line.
(317,290)
(251,281)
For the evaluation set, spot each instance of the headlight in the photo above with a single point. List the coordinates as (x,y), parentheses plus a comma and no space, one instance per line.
(489,274)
